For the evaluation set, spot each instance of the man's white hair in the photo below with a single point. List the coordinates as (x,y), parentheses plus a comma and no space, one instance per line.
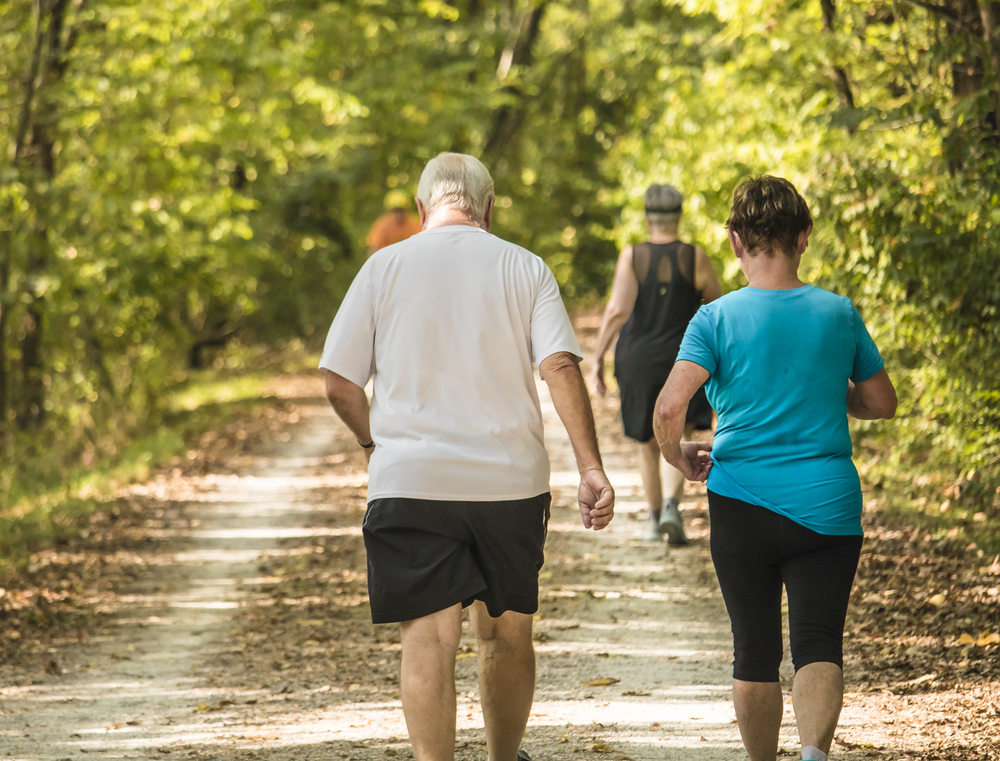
(458,181)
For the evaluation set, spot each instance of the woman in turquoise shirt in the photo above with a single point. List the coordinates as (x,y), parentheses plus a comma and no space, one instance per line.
(785,364)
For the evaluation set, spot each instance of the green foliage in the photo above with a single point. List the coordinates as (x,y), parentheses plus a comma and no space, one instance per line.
(178,176)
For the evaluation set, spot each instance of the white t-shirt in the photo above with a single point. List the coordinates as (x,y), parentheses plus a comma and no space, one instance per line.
(449,323)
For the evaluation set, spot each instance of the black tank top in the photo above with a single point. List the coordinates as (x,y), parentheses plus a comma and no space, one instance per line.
(666,302)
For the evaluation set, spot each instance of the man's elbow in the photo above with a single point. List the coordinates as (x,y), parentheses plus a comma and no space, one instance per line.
(562,364)
(338,389)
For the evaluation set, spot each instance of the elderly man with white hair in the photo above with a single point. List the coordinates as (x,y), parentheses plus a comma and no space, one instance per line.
(449,324)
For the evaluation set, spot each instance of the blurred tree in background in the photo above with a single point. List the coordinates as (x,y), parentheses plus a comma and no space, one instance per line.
(176,175)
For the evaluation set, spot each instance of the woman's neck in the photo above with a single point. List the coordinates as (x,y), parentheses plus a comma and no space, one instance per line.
(772,273)
(662,235)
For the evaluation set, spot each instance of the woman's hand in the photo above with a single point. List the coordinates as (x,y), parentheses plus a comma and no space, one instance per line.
(597,377)
(695,462)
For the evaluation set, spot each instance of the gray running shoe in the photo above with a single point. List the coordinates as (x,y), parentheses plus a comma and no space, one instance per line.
(522,755)
(651,531)
(671,524)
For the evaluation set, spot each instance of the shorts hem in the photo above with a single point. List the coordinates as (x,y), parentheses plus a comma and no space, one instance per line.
(524,607)
(424,606)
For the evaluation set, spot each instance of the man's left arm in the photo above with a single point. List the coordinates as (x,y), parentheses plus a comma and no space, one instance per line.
(561,371)
(350,403)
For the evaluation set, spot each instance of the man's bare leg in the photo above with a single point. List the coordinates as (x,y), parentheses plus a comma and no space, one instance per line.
(506,678)
(427,682)
(758,712)
(817,697)
(649,472)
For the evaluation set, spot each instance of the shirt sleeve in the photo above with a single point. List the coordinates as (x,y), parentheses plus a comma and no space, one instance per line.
(350,345)
(867,360)
(551,329)
(697,345)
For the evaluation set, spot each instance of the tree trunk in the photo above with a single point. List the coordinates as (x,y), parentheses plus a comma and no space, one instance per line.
(839,74)
(24,123)
(4,312)
(988,13)
(32,404)
(519,52)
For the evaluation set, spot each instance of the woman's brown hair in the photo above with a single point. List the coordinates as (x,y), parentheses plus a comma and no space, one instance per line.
(768,214)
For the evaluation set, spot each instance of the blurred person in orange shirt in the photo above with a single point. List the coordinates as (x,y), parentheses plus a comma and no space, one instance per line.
(395,225)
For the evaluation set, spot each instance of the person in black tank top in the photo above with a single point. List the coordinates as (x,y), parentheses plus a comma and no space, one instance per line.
(659,285)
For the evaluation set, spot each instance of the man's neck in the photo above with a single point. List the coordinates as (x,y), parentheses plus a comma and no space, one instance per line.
(447,217)
(662,234)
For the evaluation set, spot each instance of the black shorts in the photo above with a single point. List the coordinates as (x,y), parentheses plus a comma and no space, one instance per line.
(427,555)
(639,387)
(755,552)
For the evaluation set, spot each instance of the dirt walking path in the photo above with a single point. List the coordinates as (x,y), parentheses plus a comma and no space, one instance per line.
(252,639)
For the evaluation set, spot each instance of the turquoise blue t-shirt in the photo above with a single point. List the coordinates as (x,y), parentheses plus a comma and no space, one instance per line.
(779,363)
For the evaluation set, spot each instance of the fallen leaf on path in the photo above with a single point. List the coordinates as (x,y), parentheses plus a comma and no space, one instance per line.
(601,681)
(987,638)
(601,748)
(966,639)
(53,668)
(922,679)
(636,694)
(937,600)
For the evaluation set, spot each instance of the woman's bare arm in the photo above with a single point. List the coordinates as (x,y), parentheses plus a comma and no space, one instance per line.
(690,458)
(873,399)
(704,276)
(616,314)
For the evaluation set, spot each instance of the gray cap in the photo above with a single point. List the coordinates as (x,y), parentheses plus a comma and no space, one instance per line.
(663,199)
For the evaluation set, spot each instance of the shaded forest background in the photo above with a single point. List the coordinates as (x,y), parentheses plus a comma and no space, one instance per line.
(181,176)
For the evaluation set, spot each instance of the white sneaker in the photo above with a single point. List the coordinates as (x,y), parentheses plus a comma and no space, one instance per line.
(651,529)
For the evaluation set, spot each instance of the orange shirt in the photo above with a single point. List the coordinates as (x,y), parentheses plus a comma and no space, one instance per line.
(387,231)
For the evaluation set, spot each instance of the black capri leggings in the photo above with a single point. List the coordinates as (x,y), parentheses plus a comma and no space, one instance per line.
(755,551)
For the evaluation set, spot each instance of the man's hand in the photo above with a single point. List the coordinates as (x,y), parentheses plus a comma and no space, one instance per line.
(596,498)
(695,462)
(597,378)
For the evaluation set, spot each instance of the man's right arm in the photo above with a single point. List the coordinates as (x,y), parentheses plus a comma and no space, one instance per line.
(561,371)
(350,403)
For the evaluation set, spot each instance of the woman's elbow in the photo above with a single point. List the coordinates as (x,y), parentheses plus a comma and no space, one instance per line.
(665,411)
(889,412)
